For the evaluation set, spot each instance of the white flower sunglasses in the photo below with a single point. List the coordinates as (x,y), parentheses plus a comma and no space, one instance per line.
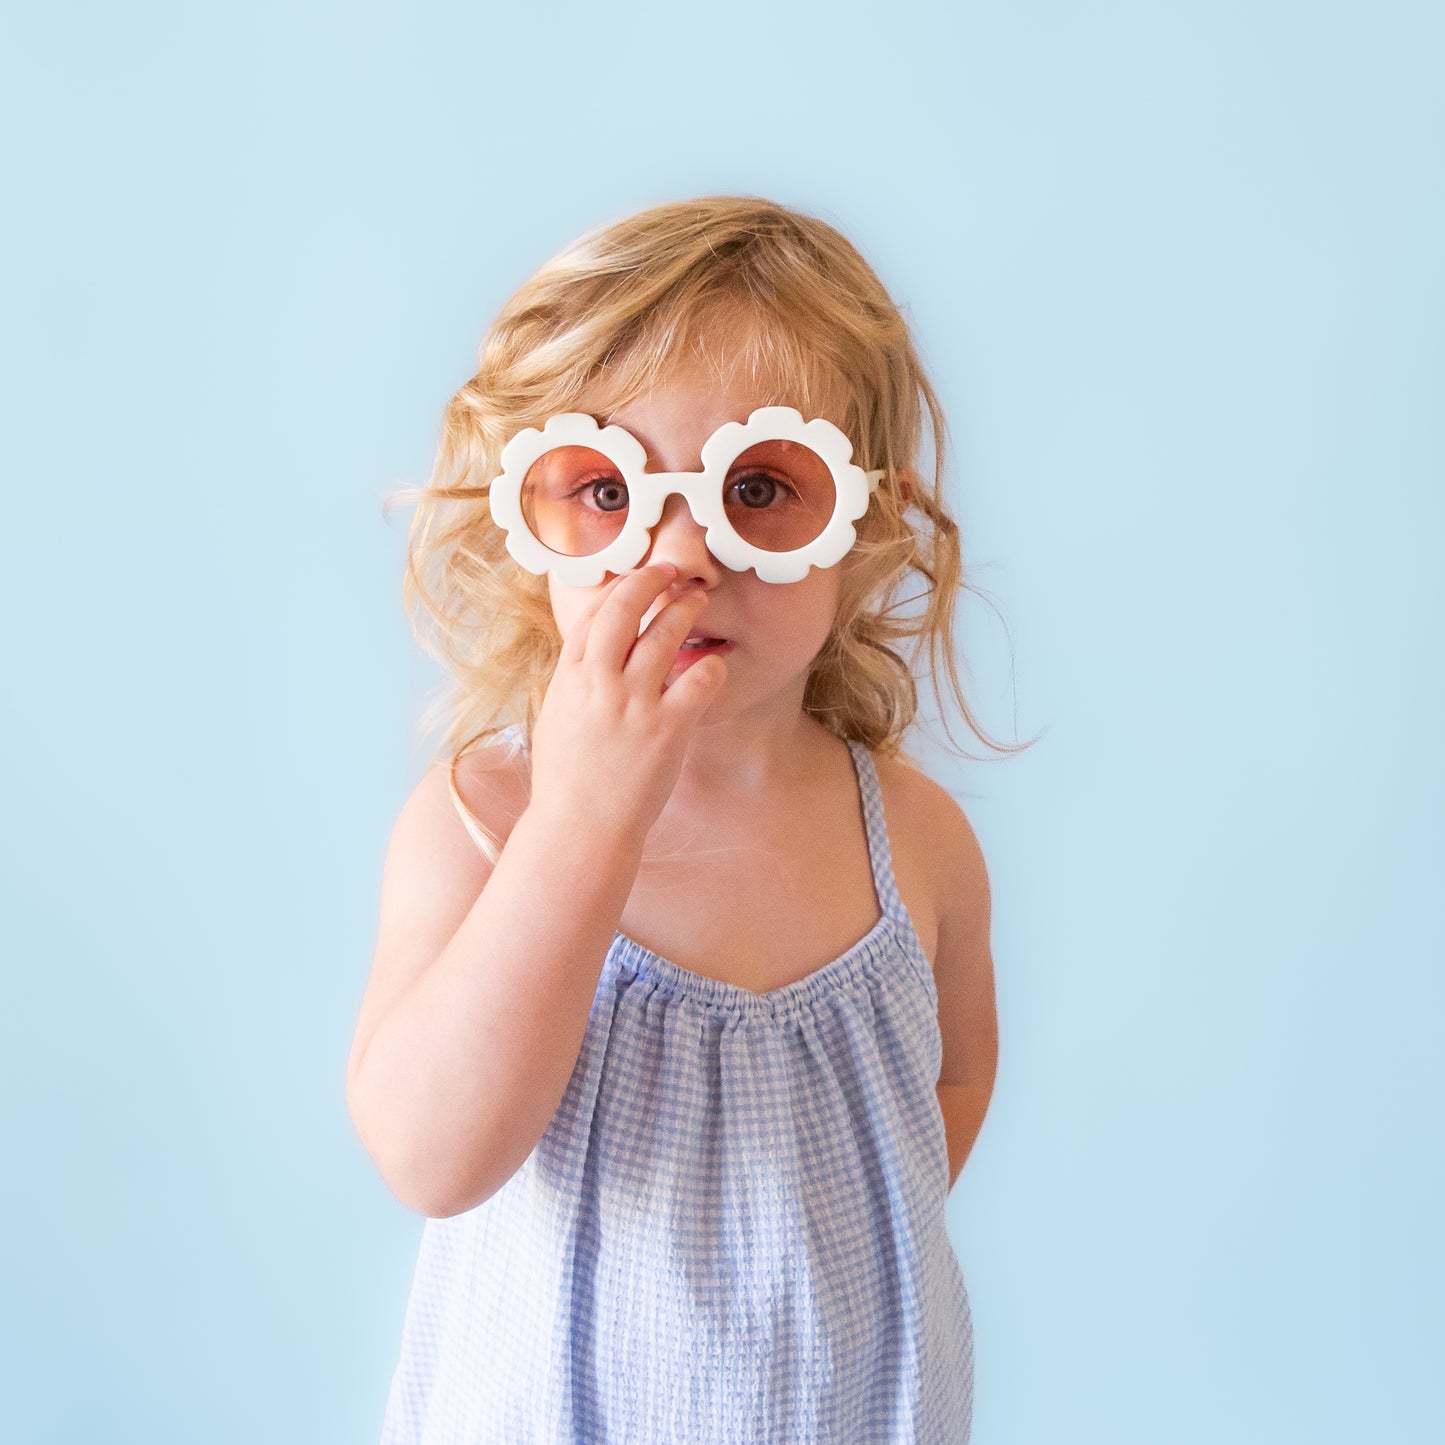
(775,493)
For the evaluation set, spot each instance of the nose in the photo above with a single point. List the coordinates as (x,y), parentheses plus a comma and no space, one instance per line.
(679,538)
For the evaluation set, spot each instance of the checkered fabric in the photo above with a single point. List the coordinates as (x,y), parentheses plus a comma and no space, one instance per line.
(732,1230)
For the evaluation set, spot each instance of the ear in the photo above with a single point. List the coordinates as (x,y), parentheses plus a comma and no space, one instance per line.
(906,481)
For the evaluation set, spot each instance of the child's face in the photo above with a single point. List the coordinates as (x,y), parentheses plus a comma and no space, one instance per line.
(774,630)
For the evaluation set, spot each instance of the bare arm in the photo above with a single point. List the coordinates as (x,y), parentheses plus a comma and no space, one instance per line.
(964,1107)
(963,971)
(472,1024)
(458,1080)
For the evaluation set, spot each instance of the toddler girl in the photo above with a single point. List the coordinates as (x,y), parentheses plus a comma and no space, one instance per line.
(681,1022)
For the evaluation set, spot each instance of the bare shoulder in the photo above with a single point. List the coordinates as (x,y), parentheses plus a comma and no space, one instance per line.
(434,872)
(928,826)
(494,785)
(944,848)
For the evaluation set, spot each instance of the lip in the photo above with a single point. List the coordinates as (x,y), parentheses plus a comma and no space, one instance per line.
(686,656)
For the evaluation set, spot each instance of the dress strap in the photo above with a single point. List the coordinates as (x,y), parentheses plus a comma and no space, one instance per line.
(879,852)
(516,735)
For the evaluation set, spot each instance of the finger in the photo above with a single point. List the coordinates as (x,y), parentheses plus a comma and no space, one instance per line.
(576,642)
(654,653)
(614,626)
(687,698)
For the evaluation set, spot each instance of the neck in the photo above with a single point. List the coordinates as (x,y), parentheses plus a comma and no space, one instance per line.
(754,754)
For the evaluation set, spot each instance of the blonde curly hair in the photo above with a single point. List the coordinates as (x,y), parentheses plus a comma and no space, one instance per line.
(724,280)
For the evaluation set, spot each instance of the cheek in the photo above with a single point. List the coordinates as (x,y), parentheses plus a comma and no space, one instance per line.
(825,601)
(809,612)
(567,604)
(827,620)
(846,586)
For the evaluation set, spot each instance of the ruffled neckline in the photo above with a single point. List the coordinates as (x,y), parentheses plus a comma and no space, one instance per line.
(628,956)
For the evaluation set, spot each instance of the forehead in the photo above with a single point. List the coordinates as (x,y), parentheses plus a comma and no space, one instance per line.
(717,370)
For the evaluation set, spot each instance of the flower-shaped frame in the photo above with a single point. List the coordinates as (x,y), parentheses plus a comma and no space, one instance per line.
(702,490)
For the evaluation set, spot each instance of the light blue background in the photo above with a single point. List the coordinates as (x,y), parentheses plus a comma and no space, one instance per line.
(1177,272)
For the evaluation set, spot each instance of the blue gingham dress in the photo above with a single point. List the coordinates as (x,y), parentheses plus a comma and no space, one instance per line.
(732,1231)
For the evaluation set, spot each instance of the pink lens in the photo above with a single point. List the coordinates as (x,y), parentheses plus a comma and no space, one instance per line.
(574,500)
(779,495)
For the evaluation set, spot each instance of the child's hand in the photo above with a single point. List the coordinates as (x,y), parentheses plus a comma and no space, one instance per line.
(610,738)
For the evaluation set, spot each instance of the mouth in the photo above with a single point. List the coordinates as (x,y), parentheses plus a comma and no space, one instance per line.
(697,645)
(697,640)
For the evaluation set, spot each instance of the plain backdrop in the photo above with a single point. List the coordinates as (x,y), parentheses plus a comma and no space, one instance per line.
(1176,270)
